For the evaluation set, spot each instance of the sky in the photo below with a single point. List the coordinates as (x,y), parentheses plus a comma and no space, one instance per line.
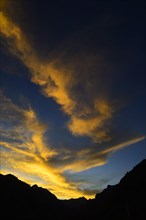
(72,94)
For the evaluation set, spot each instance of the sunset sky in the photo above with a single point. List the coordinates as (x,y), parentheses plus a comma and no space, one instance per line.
(72,97)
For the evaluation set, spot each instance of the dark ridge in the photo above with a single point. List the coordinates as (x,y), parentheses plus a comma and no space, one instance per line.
(124,201)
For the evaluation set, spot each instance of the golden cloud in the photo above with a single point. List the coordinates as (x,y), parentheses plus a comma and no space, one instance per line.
(25,153)
(94,125)
(24,150)
(60,83)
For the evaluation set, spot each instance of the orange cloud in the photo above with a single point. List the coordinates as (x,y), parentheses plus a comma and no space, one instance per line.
(25,153)
(60,83)
(24,150)
(94,125)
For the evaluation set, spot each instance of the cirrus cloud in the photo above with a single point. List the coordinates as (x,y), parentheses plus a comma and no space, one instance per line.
(63,86)
(80,91)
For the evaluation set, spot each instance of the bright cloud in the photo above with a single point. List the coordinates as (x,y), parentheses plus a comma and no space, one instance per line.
(61,84)
(24,150)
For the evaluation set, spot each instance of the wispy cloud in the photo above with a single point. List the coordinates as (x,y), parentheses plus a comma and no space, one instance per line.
(25,153)
(94,124)
(87,118)
(90,111)
(88,157)
(20,126)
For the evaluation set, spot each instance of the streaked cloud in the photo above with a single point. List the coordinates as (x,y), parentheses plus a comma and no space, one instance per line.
(20,126)
(87,118)
(25,151)
(89,157)
(26,154)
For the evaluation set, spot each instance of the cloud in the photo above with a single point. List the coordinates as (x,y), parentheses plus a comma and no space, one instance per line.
(94,125)
(87,158)
(88,113)
(91,191)
(26,154)
(80,90)
(21,127)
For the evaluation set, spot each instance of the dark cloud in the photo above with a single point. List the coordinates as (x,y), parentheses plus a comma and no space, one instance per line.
(91,191)
(77,161)
(91,66)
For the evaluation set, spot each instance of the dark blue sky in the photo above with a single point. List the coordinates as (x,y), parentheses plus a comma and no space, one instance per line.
(72,92)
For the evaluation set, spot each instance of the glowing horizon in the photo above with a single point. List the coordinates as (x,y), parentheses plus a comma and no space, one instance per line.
(70,115)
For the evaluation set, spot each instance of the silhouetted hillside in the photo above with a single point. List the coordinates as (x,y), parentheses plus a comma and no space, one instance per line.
(124,201)
(20,201)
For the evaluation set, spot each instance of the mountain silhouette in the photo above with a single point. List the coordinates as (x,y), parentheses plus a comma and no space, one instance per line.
(124,201)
